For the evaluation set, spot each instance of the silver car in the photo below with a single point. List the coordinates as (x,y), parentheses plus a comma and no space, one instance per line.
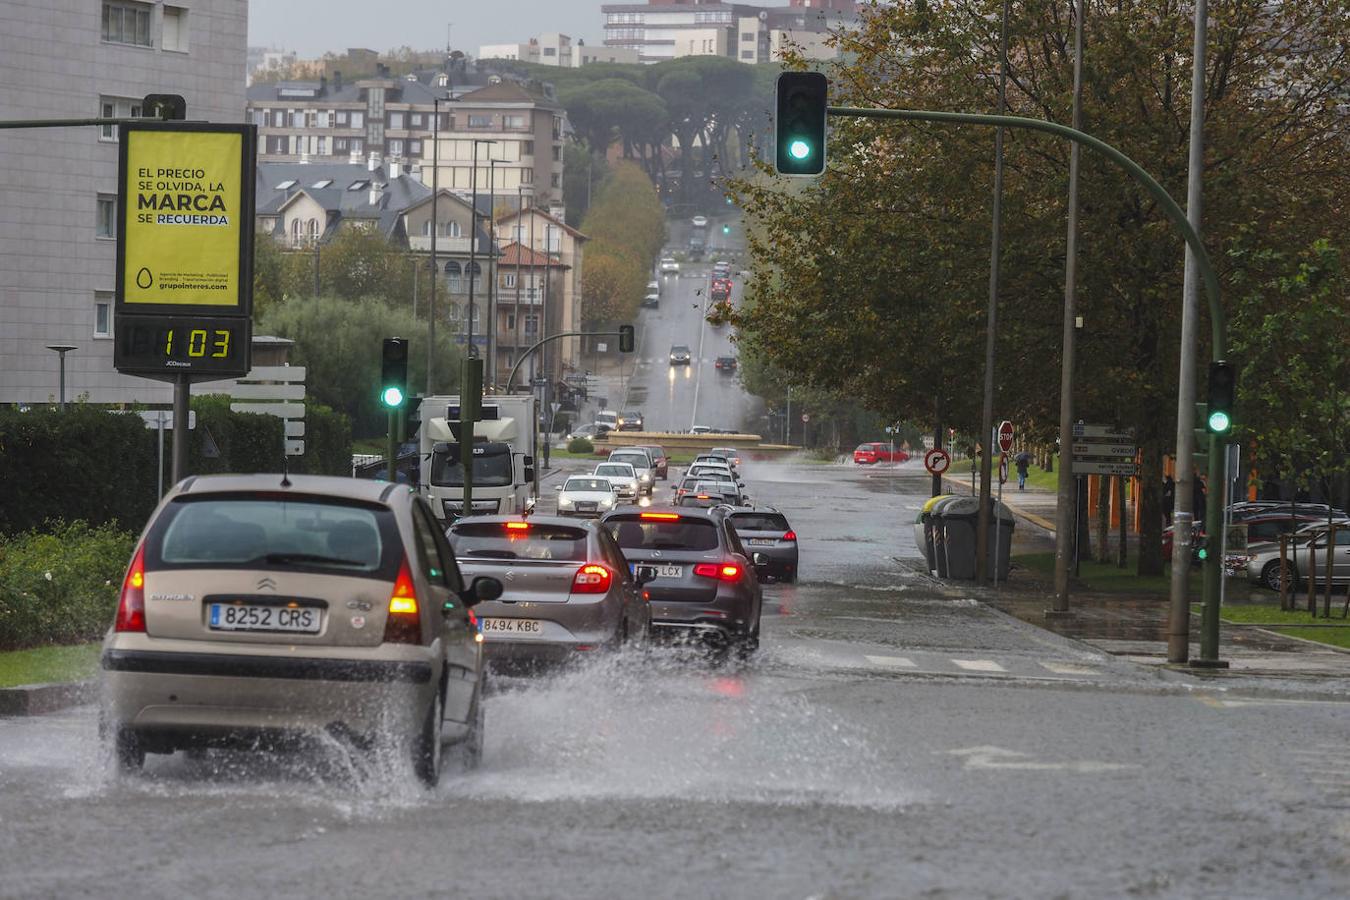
(568,587)
(1263,560)
(622,476)
(642,464)
(258,608)
(585,495)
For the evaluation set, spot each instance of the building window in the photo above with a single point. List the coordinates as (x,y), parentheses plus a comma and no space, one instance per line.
(550,51)
(325,119)
(127,23)
(513,121)
(116,108)
(107,216)
(747,54)
(526,174)
(396,120)
(321,148)
(531,325)
(342,118)
(747,35)
(340,145)
(510,321)
(480,121)
(358,145)
(358,120)
(175,35)
(527,148)
(396,148)
(259,117)
(452,274)
(509,280)
(414,148)
(415,119)
(557,128)
(103,303)
(555,181)
(557,154)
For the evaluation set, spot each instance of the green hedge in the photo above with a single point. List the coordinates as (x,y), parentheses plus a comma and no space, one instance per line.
(60,587)
(580,445)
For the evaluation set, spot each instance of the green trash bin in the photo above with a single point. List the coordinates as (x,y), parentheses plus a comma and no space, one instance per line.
(923,530)
(958,520)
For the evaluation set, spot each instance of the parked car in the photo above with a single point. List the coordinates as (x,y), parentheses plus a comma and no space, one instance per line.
(660,461)
(680,355)
(654,287)
(1262,561)
(652,300)
(622,476)
(868,454)
(669,266)
(1263,524)
(571,591)
(769,539)
(631,420)
(704,585)
(586,495)
(725,364)
(256,609)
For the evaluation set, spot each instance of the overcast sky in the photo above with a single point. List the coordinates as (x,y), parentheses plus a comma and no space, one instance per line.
(311,27)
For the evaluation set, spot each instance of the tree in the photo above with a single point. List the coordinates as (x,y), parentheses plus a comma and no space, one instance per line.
(884,263)
(611,284)
(360,262)
(339,342)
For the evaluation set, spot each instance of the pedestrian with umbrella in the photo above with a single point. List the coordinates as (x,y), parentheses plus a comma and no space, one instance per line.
(1022,460)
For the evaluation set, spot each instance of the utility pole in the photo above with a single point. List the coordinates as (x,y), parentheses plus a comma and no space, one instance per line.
(995,251)
(1066,501)
(1183,517)
(473,239)
(435,265)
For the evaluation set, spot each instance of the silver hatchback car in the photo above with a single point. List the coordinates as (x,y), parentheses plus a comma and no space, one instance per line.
(257,609)
(568,588)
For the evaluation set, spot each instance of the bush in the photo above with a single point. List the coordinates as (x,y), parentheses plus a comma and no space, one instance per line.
(580,445)
(60,587)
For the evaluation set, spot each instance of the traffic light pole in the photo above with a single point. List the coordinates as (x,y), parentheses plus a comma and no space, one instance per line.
(511,379)
(1213,564)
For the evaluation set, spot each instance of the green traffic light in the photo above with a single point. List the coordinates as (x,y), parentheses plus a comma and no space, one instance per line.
(1202,553)
(726,229)
(1219,421)
(392,397)
(799,149)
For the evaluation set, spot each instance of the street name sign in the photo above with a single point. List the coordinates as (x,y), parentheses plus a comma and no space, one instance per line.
(1103,467)
(184,284)
(1104,450)
(1113,450)
(1103,431)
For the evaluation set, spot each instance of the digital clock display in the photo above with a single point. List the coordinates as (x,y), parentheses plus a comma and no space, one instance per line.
(182,345)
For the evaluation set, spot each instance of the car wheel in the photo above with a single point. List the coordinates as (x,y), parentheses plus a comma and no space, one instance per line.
(470,750)
(1270,576)
(426,748)
(128,754)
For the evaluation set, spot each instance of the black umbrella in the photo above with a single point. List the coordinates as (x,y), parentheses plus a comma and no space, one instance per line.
(1023,457)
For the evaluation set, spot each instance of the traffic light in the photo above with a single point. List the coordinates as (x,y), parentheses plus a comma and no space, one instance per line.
(625,338)
(1222,387)
(799,123)
(164,106)
(394,372)
(726,229)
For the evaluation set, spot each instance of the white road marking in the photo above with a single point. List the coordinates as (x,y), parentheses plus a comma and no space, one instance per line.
(1068,668)
(979,665)
(898,662)
(1002,758)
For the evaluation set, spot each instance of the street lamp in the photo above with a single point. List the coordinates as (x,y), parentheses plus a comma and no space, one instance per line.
(492,266)
(473,235)
(521,194)
(62,350)
(435,205)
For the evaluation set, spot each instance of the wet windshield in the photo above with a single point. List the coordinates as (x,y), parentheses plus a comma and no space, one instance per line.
(588,484)
(491,468)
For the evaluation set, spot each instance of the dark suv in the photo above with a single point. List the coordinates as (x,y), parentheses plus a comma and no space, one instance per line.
(704,582)
(772,543)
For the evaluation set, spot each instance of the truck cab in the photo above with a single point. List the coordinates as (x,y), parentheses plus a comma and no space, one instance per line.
(504,442)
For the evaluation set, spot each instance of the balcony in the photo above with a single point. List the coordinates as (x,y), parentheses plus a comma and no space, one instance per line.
(448,245)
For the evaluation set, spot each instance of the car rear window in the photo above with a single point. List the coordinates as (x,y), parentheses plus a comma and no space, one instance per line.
(637,533)
(507,540)
(259,532)
(636,460)
(616,470)
(759,522)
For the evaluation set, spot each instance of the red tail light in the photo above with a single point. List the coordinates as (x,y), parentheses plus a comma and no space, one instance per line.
(725,571)
(131,605)
(404,622)
(660,516)
(790,536)
(592,579)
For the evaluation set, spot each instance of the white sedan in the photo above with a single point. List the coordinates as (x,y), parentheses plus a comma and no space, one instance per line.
(622,476)
(584,495)
(669,266)
(700,221)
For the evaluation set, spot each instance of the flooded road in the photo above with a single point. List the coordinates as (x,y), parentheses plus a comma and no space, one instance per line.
(894,737)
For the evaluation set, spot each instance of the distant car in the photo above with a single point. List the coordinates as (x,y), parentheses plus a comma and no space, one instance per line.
(705,585)
(722,267)
(710,472)
(568,593)
(585,495)
(699,221)
(876,452)
(680,355)
(701,429)
(770,541)
(259,609)
(630,420)
(641,462)
(622,476)
(1262,560)
(669,266)
(589,432)
(730,454)
(654,287)
(660,460)
(652,300)
(725,364)
(608,418)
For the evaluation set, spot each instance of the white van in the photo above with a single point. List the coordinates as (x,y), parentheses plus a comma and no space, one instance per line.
(607,418)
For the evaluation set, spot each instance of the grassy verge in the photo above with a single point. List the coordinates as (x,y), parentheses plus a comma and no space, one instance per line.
(1259,614)
(1036,477)
(1103,577)
(48,664)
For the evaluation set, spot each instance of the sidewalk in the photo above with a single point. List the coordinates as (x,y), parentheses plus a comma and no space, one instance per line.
(1133,626)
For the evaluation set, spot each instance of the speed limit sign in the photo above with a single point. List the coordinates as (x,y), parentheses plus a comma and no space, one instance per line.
(936,461)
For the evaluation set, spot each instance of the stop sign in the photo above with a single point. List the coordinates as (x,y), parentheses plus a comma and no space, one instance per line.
(1005,435)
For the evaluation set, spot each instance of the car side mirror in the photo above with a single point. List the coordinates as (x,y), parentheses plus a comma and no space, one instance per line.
(740,484)
(557,487)
(644,574)
(528,461)
(484,587)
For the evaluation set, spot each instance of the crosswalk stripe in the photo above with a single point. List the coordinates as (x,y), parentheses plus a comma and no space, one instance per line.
(979,665)
(898,662)
(1068,668)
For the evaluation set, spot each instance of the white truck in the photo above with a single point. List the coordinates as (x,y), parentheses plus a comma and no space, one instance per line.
(505,442)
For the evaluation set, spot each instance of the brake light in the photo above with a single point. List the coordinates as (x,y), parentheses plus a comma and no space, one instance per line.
(725,571)
(131,604)
(592,579)
(660,516)
(403,625)
(517,526)
(790,536)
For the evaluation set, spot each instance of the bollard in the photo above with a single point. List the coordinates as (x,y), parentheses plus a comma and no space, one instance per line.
(1312,577)
(1286,586)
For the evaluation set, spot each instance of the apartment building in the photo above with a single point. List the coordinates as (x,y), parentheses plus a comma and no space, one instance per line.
(541,231)
(335,118)
(554,49)
(58,188)
(665,29)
